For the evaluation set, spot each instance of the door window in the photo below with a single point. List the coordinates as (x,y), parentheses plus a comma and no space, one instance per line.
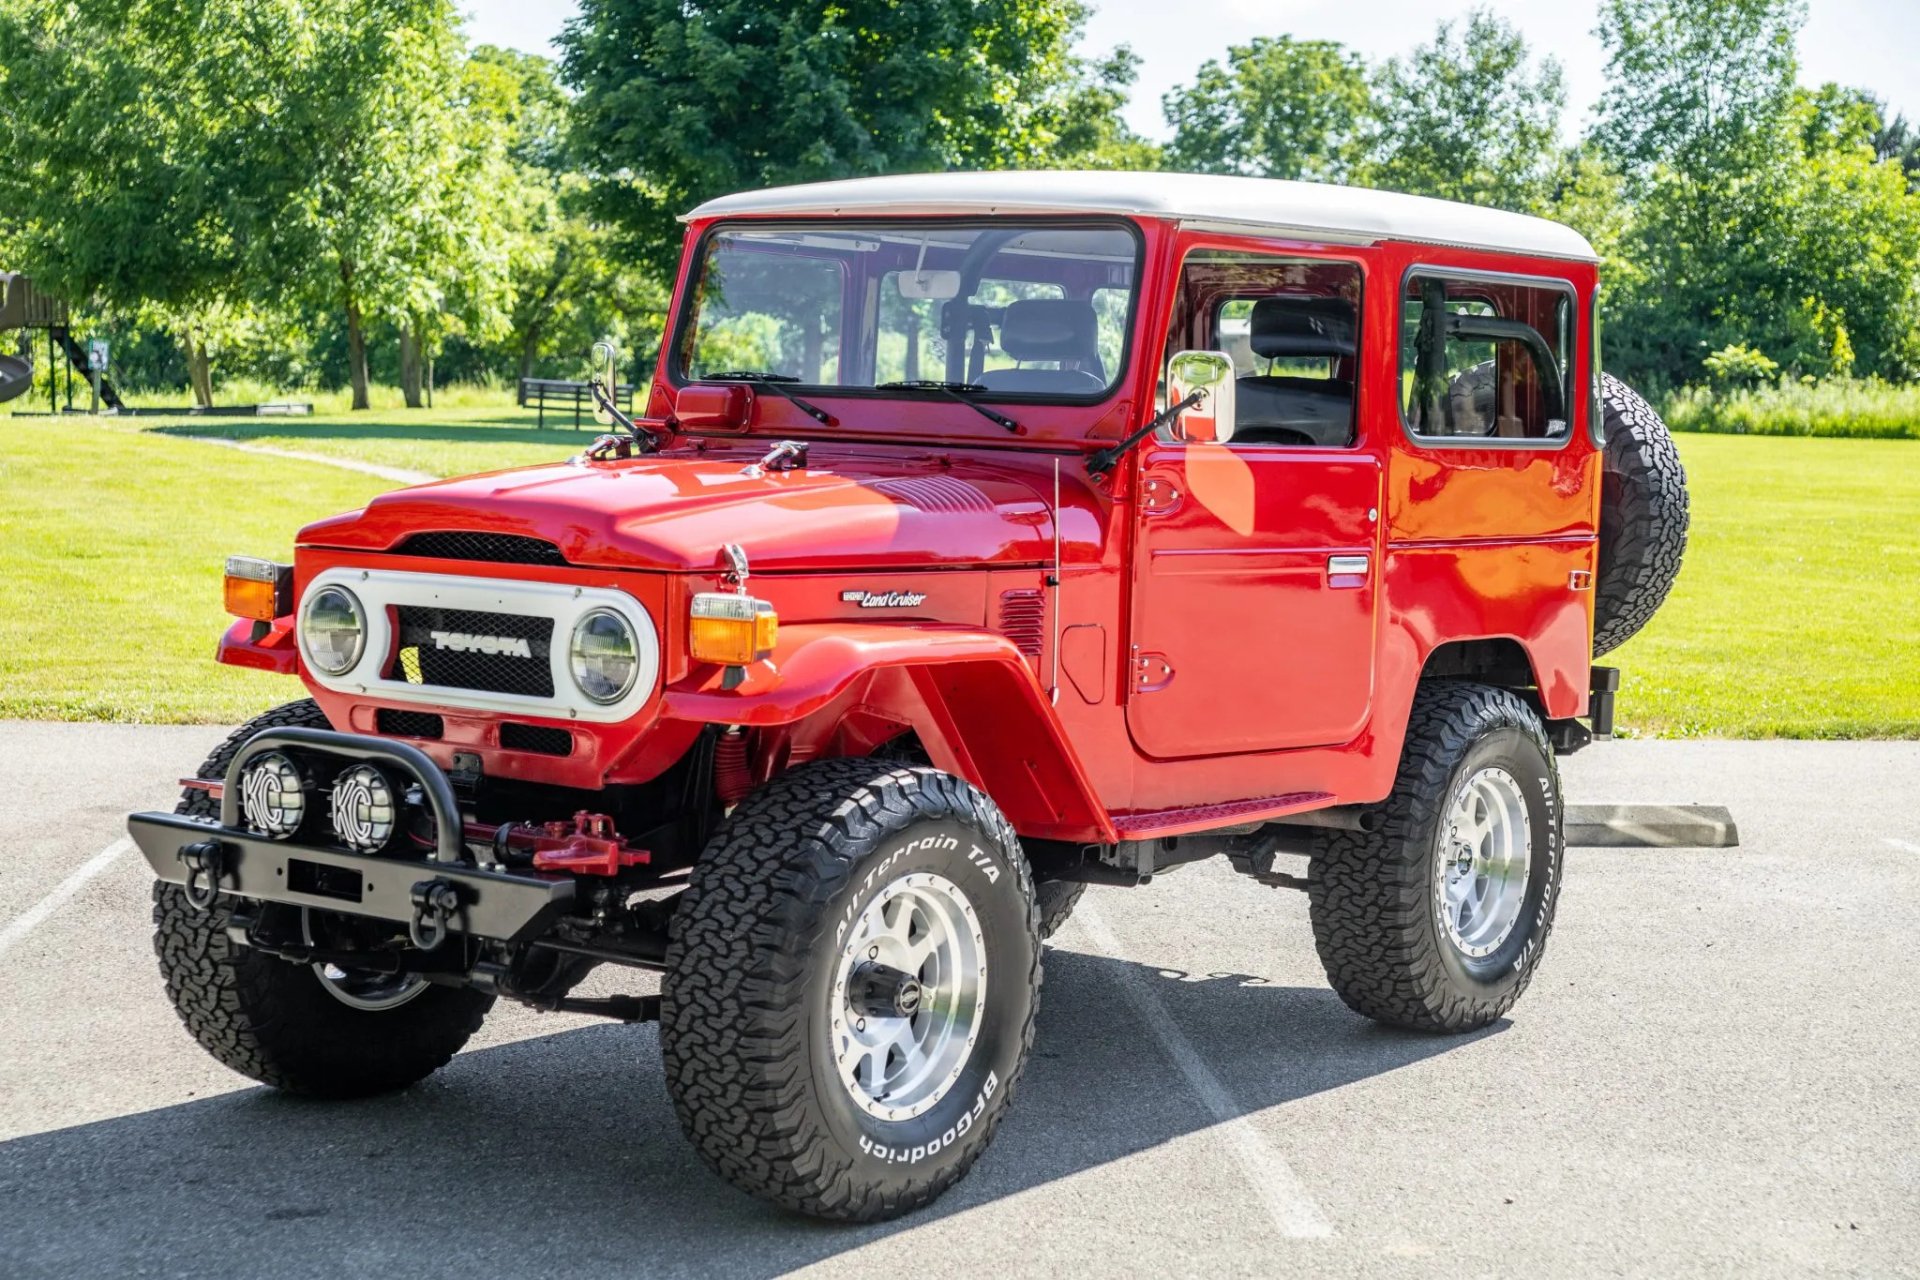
(1292,327)
(1486,359)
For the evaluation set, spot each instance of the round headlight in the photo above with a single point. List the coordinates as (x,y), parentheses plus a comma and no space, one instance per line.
(604,655)
(273,796)
(332,630)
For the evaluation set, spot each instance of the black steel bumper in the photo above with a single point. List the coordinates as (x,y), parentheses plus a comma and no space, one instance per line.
(503,905)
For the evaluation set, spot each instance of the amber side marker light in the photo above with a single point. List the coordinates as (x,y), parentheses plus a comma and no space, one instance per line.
(731,630)
(258,589)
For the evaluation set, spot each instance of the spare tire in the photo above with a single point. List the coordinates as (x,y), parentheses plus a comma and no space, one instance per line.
(1643,516)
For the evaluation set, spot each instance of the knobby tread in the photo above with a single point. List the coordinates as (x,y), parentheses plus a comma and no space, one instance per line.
(1056,899)
(271,1020)
(1369,894)
(1643,517)
(734,1027)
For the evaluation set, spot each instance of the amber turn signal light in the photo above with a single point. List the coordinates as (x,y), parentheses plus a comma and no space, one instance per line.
(731,630)
(258,589)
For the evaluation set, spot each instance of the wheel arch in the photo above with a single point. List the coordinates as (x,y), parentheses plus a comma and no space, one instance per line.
(969,697)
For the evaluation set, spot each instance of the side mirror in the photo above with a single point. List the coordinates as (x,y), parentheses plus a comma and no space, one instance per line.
(1211,373)
(606,376)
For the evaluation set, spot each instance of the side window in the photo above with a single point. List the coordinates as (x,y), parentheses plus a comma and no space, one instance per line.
(1292,326)
(1486,358)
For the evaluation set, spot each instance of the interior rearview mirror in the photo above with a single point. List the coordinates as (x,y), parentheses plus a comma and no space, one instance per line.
(1211,373)
(938,285)
(606,376)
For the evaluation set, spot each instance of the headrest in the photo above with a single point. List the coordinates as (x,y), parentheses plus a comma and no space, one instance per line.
(1048,329)
(1301,326)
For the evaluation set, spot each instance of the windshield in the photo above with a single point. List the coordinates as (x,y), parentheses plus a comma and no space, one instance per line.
(1006,311)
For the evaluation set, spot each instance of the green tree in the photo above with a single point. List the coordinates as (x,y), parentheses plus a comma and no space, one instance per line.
(1278,108)
(677,103)
(1469,117)
(1088,129)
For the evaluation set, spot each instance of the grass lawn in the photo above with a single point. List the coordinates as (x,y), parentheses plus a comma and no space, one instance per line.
(1798,612)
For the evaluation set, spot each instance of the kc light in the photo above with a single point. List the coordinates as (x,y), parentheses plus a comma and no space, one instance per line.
(732,630)
(333,628)
(363,809)
(258,589)
(604,655)
(273,796)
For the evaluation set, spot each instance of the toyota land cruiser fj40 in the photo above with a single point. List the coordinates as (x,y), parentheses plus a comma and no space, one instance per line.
(983,536)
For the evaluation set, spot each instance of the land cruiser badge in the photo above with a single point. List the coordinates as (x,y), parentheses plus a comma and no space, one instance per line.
(883,599)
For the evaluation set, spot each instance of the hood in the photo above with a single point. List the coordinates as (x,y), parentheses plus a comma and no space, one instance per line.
(844,510)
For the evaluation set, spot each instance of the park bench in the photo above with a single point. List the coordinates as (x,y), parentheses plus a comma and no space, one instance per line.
(538,393)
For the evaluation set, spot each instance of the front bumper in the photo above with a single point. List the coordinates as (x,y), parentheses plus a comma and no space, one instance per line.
(204,857)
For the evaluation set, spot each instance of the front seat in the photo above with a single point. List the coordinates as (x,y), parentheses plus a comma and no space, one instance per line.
(1060,330)
(1277,409)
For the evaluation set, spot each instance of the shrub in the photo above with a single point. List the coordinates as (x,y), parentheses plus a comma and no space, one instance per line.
(1865,409)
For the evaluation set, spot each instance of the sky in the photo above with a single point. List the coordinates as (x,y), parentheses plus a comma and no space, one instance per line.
(1866,43)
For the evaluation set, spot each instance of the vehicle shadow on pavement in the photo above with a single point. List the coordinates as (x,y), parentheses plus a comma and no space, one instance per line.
(560,1155)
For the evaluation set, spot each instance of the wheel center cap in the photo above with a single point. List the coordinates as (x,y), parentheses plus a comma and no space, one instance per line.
(882,991)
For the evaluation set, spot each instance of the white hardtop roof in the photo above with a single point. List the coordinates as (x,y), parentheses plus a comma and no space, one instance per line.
(1307,210)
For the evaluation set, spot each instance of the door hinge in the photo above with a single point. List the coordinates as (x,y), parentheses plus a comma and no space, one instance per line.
(1151,672)
(1158,496)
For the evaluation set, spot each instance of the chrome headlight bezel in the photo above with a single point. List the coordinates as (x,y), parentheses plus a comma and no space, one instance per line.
(313,604)
(631,655)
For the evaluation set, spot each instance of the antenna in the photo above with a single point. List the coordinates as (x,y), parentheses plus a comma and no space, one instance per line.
(1053,586)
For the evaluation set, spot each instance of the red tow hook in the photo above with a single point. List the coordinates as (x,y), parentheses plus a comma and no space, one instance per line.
(591,848)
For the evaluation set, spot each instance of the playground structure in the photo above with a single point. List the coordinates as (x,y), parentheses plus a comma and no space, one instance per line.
(25,308)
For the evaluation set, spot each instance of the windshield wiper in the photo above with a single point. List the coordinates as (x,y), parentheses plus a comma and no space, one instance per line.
(772,381)
(957,391)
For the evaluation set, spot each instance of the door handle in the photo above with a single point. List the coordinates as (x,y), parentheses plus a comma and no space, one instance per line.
(1348,566)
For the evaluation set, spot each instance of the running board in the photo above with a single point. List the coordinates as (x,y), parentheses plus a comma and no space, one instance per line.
(1153,824)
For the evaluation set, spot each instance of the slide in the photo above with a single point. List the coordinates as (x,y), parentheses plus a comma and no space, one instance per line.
(16,375)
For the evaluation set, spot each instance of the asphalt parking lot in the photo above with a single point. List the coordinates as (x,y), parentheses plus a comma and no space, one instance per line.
(1717,1071)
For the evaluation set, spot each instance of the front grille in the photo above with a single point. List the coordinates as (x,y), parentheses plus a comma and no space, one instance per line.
(536,738)
(490,548)
(467,649)
(409,724)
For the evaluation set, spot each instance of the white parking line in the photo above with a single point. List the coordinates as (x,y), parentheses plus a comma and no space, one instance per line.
(30,919)
(1908,845)
(1287,1202)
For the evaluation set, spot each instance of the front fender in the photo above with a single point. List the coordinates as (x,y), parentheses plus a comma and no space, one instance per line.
(970,696)
(273,651)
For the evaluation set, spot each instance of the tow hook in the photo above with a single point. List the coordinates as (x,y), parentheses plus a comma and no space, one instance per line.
(206,862)
(434,903)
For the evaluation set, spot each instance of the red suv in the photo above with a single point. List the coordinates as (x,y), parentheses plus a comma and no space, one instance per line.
(984,536)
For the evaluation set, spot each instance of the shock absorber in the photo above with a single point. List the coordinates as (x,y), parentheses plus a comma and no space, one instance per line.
(732,775)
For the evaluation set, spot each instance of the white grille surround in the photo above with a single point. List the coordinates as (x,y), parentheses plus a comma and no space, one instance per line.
(381,592)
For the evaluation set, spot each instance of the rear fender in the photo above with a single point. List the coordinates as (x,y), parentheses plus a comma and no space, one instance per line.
(970,696)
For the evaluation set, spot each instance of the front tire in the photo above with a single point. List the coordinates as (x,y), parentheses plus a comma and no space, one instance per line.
(1437,919)
(851,988)
(287,1025)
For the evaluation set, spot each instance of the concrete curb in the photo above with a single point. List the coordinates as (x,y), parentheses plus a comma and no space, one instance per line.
(1651,826)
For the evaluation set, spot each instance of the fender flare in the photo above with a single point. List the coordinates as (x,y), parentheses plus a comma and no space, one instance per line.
(970,695)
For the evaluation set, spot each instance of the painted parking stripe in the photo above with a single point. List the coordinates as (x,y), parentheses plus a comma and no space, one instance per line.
(1287,1202)
(1908,845)
(30,919)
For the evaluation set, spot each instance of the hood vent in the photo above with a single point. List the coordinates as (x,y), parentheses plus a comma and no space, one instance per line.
(489,548)
(934,493)
(1023,620)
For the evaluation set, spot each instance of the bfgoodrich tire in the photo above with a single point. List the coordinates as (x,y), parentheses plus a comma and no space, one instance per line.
(808,921)
(1437,919)
(1643,517)
(1056,899)
(282,1023)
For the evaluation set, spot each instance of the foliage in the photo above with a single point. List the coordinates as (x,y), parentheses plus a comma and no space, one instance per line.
(1279,108)
(1862,409)
(678,103)
(1740,365)
(1469,117)
(1086,126)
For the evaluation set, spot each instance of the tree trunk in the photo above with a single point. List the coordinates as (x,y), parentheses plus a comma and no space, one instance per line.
(529,347)
(199,369)
(410,364)
(356,340)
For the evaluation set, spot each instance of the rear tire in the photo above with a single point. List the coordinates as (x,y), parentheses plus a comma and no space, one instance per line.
(1643,517)
(1056,899)
(278,1022)
(771,1058)
(1412,933)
